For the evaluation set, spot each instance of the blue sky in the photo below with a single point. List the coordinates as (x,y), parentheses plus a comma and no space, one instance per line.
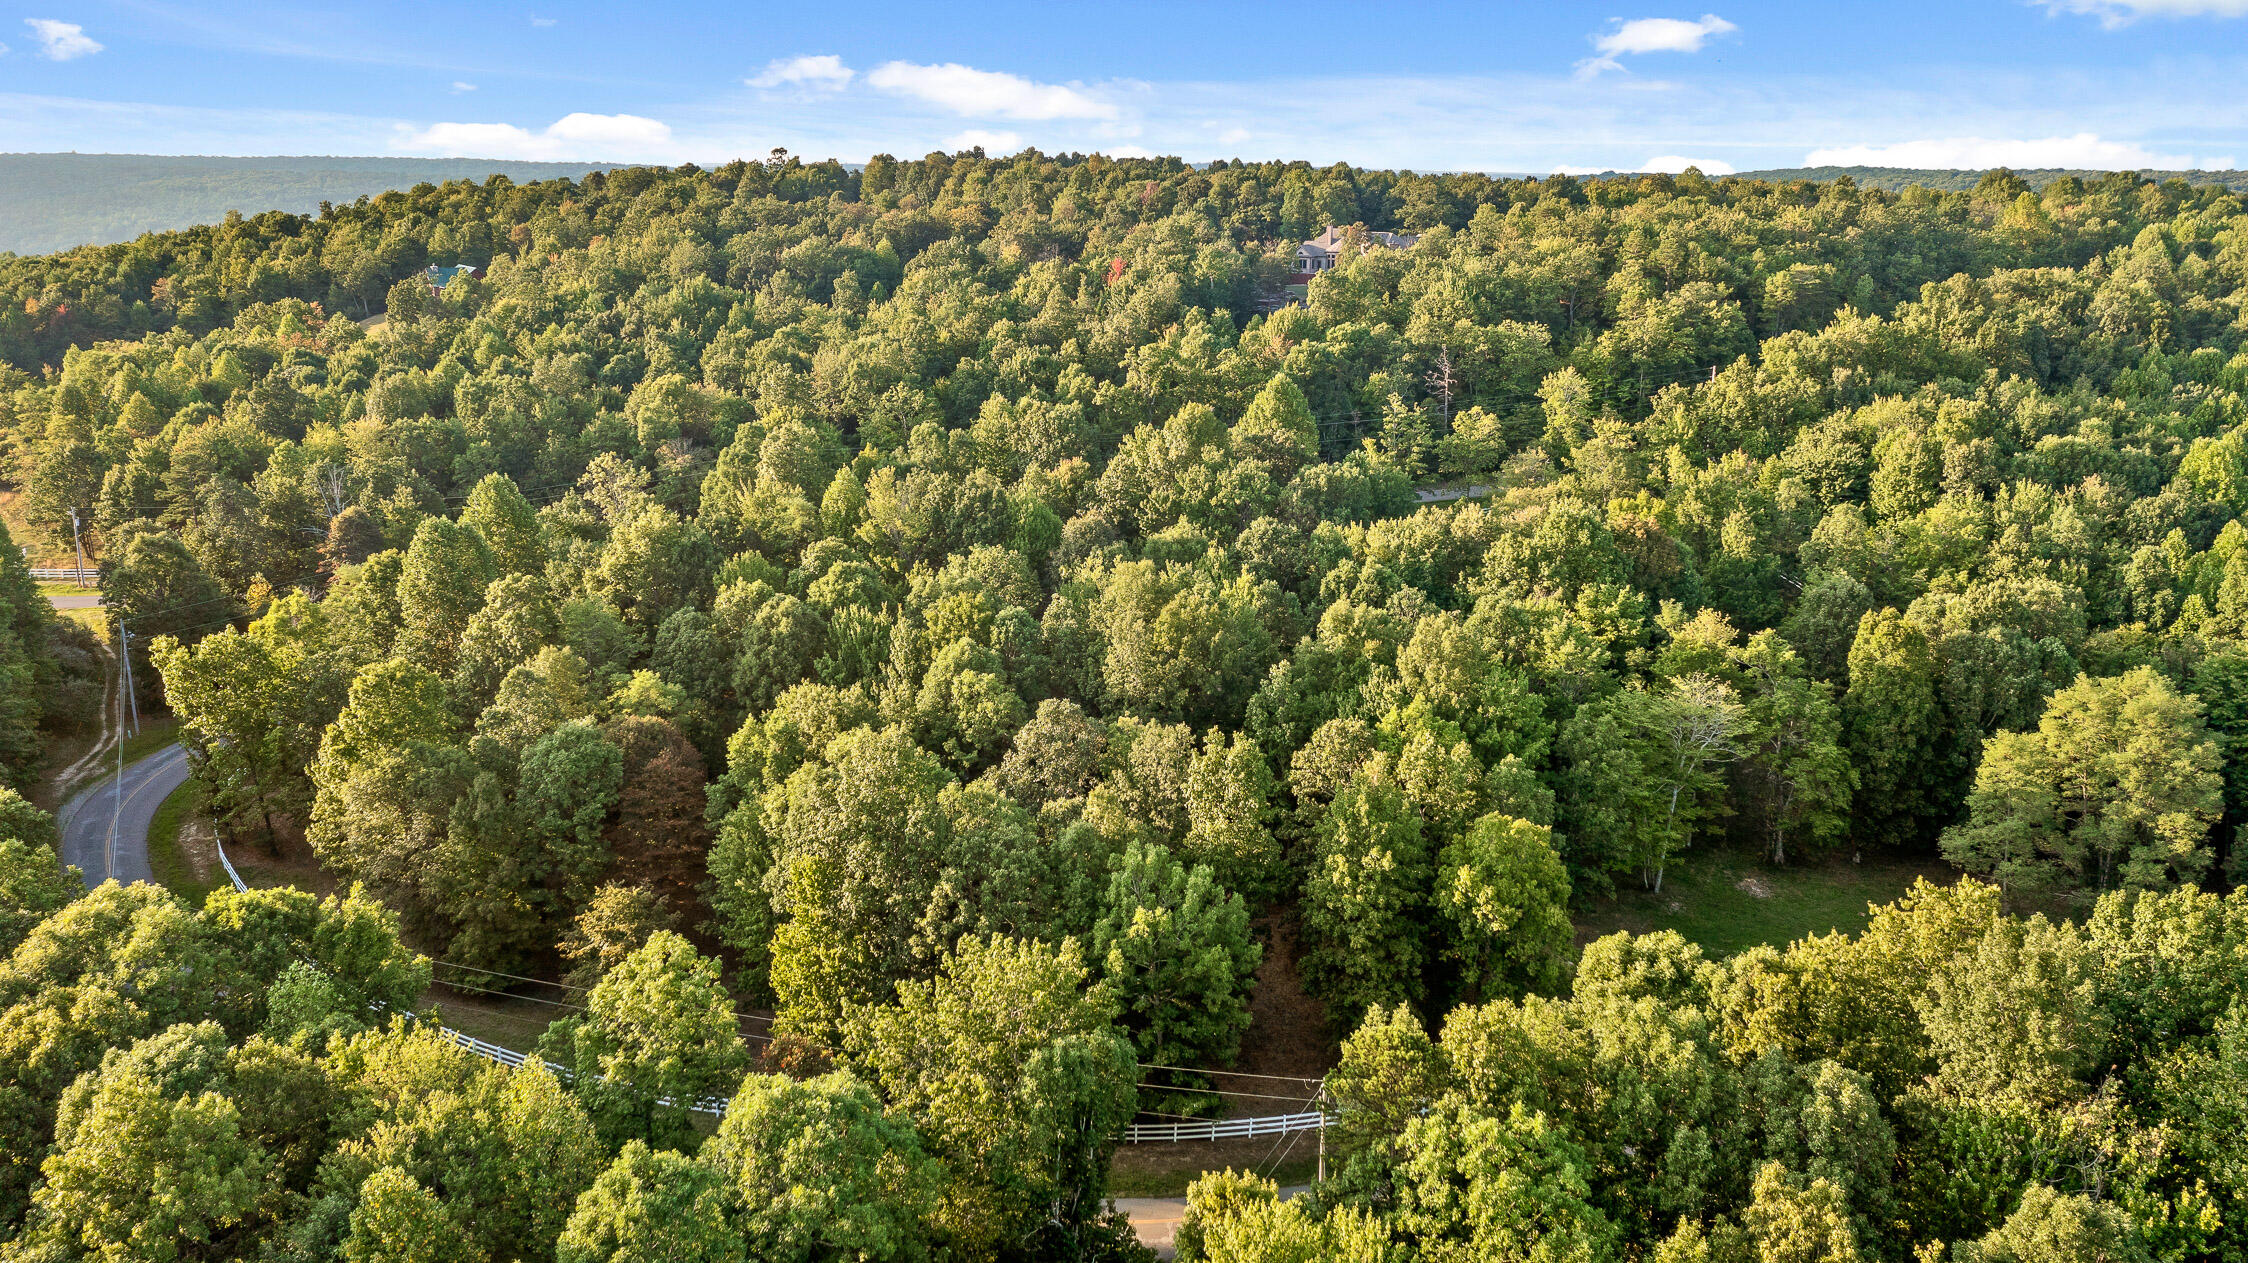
(1433,86)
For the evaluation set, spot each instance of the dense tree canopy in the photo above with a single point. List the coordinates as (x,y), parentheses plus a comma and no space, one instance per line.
(966,606)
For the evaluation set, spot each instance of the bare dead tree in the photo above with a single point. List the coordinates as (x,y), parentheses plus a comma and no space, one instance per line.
(1441,379)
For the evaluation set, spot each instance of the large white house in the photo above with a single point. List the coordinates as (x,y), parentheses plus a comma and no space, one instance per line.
(1326,250)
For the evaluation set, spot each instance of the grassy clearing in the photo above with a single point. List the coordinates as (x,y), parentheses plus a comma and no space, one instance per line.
(166,859)
(1129,1179)
(155,734)
(509,1022)
(1727,900)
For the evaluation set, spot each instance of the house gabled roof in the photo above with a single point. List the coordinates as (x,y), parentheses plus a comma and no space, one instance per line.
(1331,241)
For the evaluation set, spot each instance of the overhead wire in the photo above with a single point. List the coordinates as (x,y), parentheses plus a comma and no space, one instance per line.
(561,1004)
(1237,1074)
(1252,1096)
(446,964)
(759,1017)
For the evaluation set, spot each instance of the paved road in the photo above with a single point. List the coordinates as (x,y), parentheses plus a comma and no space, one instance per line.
(1440,495)
(106,838)
(74,600)
(1155,1220)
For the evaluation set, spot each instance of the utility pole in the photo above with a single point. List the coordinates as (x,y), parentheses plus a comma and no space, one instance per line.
(125,655)
(79,547)
(1320,1175)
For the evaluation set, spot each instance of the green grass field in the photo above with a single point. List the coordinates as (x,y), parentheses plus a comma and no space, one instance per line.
(165,858)
(1726,900)
(155,734)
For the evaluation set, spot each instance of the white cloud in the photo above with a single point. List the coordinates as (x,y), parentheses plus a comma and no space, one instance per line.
(1129,151)
(821,73)
(61,41)
(991,142)
(1661,164)
(1233,135)
(582,136)
(2083,150)
(460,85)
(539,21)
(1672,164)
(1651,35)
(990,93)
(2115,13)
(3,50)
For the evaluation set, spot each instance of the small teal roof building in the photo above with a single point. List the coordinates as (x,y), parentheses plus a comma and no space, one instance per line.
(440,275)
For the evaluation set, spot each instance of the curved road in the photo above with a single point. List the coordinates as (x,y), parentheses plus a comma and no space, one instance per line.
(105,826)
(108,839)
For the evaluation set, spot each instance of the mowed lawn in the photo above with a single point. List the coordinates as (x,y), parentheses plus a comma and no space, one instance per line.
(1726,900)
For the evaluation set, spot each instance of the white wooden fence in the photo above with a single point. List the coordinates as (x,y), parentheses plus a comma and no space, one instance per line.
(65,574)
(1223,1128)
(1136,1134)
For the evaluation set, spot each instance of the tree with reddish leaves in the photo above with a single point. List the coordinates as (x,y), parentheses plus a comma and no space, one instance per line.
(659,836)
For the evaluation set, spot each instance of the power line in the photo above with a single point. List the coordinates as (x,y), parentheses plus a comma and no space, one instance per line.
(1237,1074)
(747,1017)
(759,1017)
(559,1004)
(1253,1096)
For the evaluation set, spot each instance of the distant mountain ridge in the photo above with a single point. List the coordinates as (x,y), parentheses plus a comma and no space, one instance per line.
(53,201)
(1894,178)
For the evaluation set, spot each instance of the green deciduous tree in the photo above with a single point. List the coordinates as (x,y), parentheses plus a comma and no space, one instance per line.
(820,1172)
(385,781)
(254,705)
(1277,429)
(508,524)
(2118,786)
(1476,1185)
(1645,772)
(151,1156)
(1177,953)
(440,587)
(1892,723)
(856,843)
(516,621)
(659,1038)
(154,587)
(33,882)
(614,924)
(1364,903)
(1793,1220)
(399,1221)
(1504,895)
(32,689)
(1795,773)
(654,1206)
(1230,816)
(1010,1068)
(2016,1017)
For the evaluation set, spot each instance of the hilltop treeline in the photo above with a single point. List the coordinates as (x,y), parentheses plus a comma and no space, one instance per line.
(955,587)
(54,201)
(1946,179)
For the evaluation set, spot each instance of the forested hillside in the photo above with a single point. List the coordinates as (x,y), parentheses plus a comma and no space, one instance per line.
(953,607)
(1894,179)
(53,201)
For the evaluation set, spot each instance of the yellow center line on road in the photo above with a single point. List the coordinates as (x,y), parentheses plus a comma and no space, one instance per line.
(109,855)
